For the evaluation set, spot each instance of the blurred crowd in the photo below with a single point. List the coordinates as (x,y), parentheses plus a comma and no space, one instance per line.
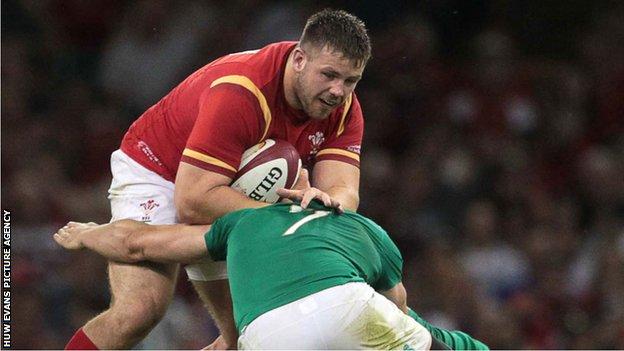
(493,153)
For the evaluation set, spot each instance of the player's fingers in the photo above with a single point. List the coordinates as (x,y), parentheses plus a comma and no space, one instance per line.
(283,192)
(79,225)
(338,206)
(307,197)
(72,233)
(62,241)
(335,205)
(303,182)
(329,202)
(326,199)
(294,195)
(304,177)
(304,203)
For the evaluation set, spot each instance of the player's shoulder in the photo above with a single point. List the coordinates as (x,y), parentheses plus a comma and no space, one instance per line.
(271,51)
(366,222)
(259,66)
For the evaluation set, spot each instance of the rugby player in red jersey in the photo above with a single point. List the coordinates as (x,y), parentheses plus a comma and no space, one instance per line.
(177,160)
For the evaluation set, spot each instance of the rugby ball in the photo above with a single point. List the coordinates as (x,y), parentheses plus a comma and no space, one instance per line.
(266,167)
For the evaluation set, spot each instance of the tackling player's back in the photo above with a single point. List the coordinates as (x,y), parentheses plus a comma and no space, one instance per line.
(299,253)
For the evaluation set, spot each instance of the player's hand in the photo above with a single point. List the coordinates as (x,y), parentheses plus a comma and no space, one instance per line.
(69,236)
(304,194)
(303,182)
(219,344)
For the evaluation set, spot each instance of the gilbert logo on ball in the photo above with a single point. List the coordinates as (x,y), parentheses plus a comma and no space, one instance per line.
(266,167)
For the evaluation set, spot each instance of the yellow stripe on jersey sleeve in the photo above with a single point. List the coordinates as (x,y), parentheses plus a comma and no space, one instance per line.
(341,152)
(347,106)
(207,159)
(249,85)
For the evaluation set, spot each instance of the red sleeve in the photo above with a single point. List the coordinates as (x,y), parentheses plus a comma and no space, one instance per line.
(344,144)
(229,122)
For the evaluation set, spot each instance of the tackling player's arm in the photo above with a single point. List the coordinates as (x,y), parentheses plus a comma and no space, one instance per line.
(392,266)
(442,339)
(398,295)
(131,241)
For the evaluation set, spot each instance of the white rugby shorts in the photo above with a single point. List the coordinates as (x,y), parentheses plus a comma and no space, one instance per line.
(140,194)
(350,316)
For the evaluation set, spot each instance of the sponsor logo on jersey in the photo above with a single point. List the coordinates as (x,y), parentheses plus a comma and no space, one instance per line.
(354,148)
(149,207)
(148,152)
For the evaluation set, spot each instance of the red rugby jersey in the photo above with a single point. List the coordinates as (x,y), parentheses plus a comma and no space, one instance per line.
(231,104)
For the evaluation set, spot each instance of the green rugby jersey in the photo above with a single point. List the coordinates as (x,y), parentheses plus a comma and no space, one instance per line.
(281,253)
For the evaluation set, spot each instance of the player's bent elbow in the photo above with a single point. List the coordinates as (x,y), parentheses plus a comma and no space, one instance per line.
(183,207)
(191,216)
(185,215)
(351,198)
(188,211)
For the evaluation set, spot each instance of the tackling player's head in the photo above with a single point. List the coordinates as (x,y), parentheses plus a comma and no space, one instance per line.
(329,60)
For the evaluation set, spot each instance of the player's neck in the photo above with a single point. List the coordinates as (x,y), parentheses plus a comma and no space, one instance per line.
(289,85)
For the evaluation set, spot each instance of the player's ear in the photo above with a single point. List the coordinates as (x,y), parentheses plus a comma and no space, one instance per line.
(299,58)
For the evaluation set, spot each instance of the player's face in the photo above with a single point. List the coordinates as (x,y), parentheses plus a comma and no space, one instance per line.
(324,80)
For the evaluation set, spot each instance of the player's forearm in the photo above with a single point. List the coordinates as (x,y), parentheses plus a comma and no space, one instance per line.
(175,243)
(349,198)
(131,241)
(111,240)
(212,204)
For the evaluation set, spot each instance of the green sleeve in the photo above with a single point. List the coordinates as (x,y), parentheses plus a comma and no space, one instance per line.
(216,238)
(454,340)
(391,265)
(391,260)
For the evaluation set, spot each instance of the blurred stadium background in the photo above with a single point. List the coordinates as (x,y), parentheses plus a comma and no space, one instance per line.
(493,154)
